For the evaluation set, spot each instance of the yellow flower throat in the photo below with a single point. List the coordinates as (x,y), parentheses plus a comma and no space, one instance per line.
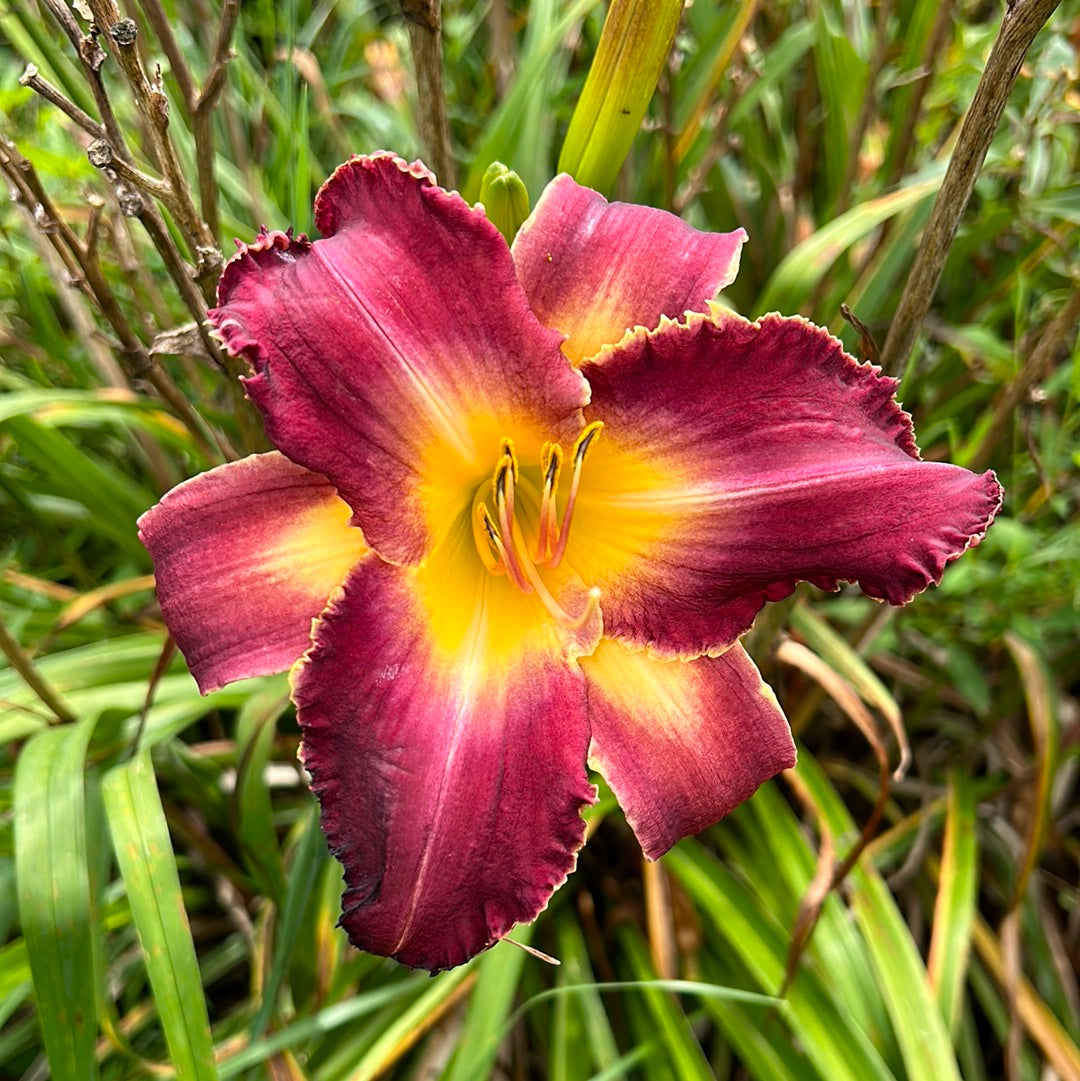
(500,540)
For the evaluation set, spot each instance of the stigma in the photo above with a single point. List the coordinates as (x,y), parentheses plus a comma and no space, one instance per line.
(500,541)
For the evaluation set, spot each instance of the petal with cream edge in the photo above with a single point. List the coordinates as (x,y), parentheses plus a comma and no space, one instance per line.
(445,728)
(245,557)
(739,458)
(372,339)
(593,269)
(681,743)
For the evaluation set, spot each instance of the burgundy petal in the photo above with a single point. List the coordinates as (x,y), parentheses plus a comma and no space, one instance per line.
(593,269)
(681,743)
(764,455)
(397,353)
(450,766)
(245,557)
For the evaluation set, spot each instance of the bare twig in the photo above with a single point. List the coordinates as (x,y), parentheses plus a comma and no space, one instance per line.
(118,169)
(153,105)
(425,38)
(40,85)
(202,111)
(23,664)
(91,56)
(1022,21)
(102,156)
(159,23)
(132,204)
(136,361)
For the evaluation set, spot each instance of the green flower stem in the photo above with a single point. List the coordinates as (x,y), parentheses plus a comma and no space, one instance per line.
(1022,21)
(630,58)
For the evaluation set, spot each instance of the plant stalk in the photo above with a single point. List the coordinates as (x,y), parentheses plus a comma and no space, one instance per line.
(424,21)
(1023,19)
(23,664)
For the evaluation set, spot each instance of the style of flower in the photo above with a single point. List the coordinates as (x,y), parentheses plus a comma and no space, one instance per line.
(524,503)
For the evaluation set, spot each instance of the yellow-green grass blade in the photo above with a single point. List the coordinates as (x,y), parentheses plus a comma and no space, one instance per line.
(23,26)
(401,1034)
(109,678)
(534,122)
(718,35)
(954,911)
(634,45)
(568,1036)
(1042,715)
(576,971)
(833,648)
(505,138)
(145,856)
(761,1044)
(837,1047)
(55,905)
(498,974)
(665,1013)
(902,979)
(303,873)
(307,1029)
(105,495)
(801,269)
(841,78)
(638,994)
(251,806)
(765,843)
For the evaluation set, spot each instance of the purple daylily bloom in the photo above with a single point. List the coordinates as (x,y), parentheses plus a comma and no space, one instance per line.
(525,502)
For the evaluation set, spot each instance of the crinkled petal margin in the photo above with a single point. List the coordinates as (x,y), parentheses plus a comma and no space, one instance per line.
(739,458)
(451,772)
(594,269)
(396,353)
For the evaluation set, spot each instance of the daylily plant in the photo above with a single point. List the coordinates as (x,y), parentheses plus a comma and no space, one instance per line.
(524,502)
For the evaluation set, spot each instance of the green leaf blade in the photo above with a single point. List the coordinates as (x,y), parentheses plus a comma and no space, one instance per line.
(55,906)
(144,853)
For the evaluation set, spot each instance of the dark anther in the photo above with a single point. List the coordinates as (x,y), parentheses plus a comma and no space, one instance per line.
(583,446)
(100,153)
(124,32)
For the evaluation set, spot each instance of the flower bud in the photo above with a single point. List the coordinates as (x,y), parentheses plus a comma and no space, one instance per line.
(505,199)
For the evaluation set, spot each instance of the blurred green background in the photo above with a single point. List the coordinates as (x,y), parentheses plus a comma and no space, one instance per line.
(950,949)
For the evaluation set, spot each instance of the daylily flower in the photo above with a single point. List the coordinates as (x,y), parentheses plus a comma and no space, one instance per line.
(523,507)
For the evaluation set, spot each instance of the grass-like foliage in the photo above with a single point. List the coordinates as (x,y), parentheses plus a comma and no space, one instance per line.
(167,904)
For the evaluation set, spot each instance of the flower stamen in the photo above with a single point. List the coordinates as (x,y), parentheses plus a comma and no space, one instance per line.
(486,538)
(581,448)
(505,476)
(550,465)
(499,538)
